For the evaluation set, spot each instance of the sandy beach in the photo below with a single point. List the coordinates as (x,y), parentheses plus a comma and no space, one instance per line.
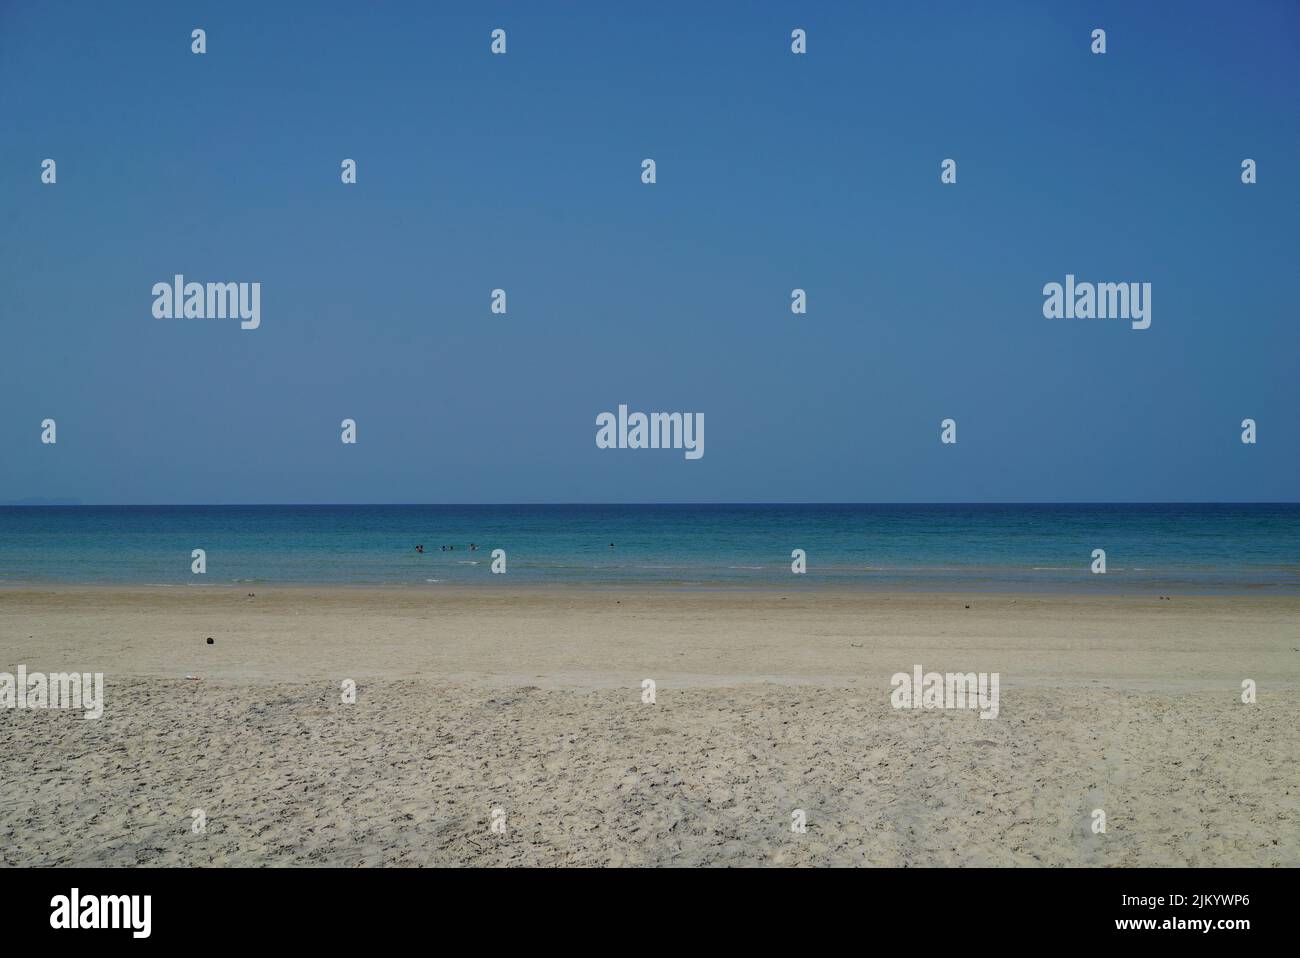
(528,702)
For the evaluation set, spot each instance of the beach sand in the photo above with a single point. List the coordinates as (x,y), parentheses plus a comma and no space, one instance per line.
(529,701)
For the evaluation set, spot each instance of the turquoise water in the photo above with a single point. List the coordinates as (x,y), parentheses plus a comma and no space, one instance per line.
(1149,548)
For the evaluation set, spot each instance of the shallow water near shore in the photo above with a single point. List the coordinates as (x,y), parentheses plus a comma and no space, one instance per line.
(1190,548)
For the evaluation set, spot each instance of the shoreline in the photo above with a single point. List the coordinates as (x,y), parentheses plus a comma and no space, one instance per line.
(821,586)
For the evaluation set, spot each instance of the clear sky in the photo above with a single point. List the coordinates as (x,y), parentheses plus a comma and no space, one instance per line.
(523,172)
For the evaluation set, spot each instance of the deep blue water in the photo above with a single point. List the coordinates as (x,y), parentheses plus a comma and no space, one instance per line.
(1177,547)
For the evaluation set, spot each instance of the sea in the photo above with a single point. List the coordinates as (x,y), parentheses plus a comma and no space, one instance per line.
(1149,548)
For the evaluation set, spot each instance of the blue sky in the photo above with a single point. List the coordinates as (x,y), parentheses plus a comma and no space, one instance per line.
(775,171)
